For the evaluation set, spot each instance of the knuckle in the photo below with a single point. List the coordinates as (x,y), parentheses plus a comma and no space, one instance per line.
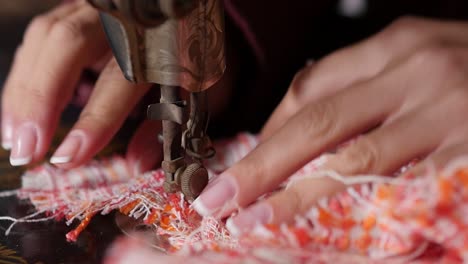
(295,199)
(456,102)
(404,30)
(96,117)
(321,119)
(68,30)
(405,22)
(299,85)
(38,95)
(39,25)
(441,58)
(361,157)
(301,79)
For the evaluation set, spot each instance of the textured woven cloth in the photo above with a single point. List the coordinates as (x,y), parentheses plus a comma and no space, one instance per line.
(397,220)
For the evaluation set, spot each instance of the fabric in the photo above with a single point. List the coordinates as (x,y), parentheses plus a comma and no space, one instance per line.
(377,219)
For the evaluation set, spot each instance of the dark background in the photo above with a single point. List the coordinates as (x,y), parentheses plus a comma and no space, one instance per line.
(290,31)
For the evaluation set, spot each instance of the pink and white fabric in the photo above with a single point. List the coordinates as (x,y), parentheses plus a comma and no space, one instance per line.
(378,220)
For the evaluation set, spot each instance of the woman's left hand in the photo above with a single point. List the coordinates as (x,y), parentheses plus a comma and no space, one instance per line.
(405,90)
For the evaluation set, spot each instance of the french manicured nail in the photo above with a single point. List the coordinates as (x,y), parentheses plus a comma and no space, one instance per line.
(24,145)
(68,149)
(7,134)
(258,214)
(216,195)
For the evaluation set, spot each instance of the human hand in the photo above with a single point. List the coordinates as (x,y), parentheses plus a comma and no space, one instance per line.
(56,48)
(405,90)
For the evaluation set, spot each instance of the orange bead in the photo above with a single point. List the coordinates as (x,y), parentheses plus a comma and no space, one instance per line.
(446,190)
(364,242)
(153,217)
(325,218)
(272,228)
(302,236)
(348,223)
(167,208)
(216,247)
(342,243)
(462,176)
(126,209)
(165,221)
(369,222)
(384,192)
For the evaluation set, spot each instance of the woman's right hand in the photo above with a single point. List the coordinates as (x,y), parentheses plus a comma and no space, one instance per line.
(56,48)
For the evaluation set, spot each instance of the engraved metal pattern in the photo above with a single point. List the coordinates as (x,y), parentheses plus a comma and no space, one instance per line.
(186,52)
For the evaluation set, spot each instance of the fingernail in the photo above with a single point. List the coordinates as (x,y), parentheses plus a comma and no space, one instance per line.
(68,149)
(24,145)
(216,195)
(259,214)
(7,134)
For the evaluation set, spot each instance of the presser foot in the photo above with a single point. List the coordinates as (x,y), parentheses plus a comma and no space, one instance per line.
(189,179)
(183,150)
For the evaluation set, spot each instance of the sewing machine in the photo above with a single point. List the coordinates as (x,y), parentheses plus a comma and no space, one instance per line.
(175,44)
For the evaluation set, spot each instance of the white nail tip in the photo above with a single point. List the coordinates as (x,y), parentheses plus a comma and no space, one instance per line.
(60,160)
(20,161)
(232,228)
(201,208)
(6,145)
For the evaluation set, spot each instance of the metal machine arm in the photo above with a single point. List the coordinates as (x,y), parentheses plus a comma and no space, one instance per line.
(176,44)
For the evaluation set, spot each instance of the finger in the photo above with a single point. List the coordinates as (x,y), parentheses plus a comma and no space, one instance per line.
(335,72)
(283,206)
(145,151)
(49,89)
(386,149)
(450,154)
(313,130)
(111,102)
(24,62)
(381,152)
(138,248)
(359,62)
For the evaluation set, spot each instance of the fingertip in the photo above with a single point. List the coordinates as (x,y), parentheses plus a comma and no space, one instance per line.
(20,161)
(201,209)
(260,213)
(75,150)
(7,133)
(24,144)
(232,228)
(60,160)
(6,145)
(219,198)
